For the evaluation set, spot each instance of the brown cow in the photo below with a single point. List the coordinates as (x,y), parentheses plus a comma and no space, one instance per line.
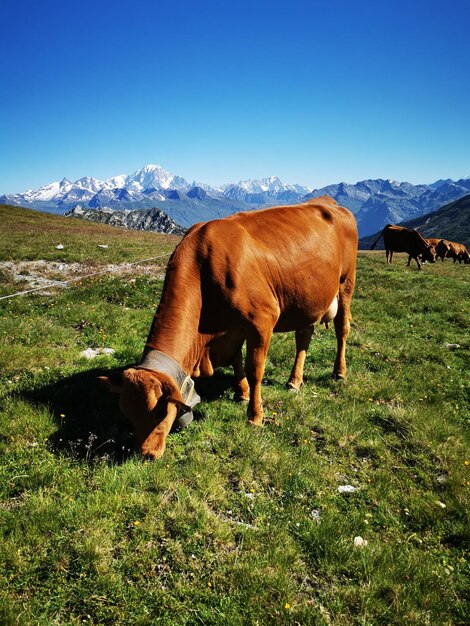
(401,239)
(234,280)
(443,249)
(432,241)
(459,252)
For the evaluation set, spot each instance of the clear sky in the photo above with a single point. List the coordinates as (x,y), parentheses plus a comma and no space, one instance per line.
(315,92)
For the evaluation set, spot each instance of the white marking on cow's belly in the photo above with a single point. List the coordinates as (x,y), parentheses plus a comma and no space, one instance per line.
(331,311)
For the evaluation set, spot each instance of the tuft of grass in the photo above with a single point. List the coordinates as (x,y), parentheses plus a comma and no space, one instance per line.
(236,525)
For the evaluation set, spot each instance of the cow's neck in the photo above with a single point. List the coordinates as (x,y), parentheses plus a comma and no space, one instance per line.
(174,330)
(177,338)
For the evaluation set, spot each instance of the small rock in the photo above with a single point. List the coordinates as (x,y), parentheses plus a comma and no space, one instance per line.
(347,489)
(92,353)
(359,542)
(89,353)
(60,247)
(451,346)
(102,245)
(316,515)
(442,479)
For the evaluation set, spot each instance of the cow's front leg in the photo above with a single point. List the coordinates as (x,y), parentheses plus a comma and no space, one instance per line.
(302,341)
(241,387)
(256,351)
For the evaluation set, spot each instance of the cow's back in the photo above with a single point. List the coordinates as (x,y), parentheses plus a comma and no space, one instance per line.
(283,263)
(401,239)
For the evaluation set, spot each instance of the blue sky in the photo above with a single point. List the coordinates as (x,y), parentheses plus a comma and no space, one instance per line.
(315,92)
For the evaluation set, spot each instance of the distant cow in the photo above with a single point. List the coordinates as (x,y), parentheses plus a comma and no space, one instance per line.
(443,248)
(400,239)
(459,252)
(234,280)
(432,241)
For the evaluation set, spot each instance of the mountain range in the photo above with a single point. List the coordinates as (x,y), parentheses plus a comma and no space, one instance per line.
(374,202)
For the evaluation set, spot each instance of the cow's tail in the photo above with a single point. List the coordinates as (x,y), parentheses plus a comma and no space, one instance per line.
(375,242)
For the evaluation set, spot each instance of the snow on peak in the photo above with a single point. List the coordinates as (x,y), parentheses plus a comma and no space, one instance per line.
(154,176)
(271,184)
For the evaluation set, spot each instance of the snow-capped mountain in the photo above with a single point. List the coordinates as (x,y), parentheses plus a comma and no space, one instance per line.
(256,190)
(149,177)
(374,202)
(153,177)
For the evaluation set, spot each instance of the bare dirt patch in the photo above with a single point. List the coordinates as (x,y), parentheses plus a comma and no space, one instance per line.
(37,274)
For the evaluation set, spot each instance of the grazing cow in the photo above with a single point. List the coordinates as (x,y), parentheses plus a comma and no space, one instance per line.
(233,280)
(401,239)
(459,252)
(443,249)
(432,241)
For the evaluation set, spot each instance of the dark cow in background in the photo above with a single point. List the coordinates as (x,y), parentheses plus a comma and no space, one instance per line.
(234,280)
(401,239)
(443,248)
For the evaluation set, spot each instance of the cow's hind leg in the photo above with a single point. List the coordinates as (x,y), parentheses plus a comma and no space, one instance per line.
(342,326)
(302,341)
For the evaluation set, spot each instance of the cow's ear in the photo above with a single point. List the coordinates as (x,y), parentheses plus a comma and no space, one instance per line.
(113,383)
(180,405)
(173,394)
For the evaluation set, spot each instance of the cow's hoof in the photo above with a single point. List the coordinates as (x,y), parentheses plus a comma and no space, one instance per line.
(293,388)
(182,421)
(154,453)
(241,398)
(256,421)
(339,378)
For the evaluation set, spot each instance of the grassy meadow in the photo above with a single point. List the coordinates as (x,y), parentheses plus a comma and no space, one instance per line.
(234,525)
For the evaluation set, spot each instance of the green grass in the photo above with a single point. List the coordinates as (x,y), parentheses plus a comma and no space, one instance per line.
(29,235)
(235,525)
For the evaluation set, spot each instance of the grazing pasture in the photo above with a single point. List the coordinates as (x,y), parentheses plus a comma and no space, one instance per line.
(350,506)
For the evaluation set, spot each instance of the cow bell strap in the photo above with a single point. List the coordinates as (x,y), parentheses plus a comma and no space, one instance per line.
(157,361)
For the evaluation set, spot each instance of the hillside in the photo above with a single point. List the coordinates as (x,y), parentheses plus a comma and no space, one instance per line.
(451,221)
(153,220)
(29,234)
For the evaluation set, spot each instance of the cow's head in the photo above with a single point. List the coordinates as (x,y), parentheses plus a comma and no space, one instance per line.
(151,401)
(429,253)
(442,248)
